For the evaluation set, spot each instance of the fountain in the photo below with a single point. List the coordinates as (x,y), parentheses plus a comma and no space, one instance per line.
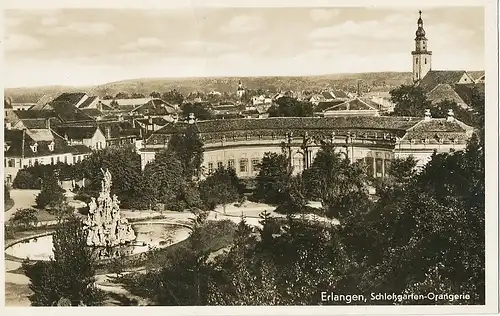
(109,234)
(106,228)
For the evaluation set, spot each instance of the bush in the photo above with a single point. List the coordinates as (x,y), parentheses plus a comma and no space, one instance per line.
(51,194)
(25,218)
(26,180)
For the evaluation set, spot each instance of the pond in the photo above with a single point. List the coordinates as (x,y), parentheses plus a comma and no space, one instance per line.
(149,235)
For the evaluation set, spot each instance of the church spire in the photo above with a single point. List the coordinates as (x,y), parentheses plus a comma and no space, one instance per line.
(421,56)
(420,33)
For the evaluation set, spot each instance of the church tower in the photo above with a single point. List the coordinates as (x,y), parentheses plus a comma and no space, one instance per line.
(421,56)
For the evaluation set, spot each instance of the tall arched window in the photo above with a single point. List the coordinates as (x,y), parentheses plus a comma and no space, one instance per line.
(425,61)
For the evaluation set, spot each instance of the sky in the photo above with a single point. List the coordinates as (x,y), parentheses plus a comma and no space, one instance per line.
(94,46)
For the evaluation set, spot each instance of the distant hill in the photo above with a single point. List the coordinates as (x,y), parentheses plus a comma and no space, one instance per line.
(377,81)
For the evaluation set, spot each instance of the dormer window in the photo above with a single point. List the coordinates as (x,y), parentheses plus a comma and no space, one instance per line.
(51,146)
(6,147)
(34,147)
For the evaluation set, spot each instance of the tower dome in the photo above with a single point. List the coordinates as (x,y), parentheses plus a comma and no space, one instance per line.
(420,33)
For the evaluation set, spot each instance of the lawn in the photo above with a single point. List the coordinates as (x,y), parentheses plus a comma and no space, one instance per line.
(8,204)
(17,294)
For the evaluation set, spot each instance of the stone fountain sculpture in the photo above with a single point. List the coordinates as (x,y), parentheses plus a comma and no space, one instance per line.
(106,228)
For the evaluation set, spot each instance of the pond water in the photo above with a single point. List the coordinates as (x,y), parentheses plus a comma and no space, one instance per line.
(148,235)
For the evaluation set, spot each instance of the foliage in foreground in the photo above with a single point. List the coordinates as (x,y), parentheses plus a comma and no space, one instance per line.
(424,234)
(69,277)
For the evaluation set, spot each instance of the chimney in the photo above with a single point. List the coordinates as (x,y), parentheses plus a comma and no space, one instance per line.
(428,115)
(451,116)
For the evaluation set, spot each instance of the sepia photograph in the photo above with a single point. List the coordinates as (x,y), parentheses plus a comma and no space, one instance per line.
(225,156)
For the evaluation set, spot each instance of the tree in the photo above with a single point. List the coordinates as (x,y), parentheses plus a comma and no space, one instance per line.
(188,148)
(70,274)
(272,179)
(339,184)
(26,180)
(51,193)
(155,94)
(25,218)
(288,106)
(437,217)
(221,187)
(137,96)
(173,97)
(409,101)
(164,181)
(124,163)
(122,95)
(199,110)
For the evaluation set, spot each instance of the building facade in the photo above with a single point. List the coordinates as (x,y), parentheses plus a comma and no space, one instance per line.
(242,143)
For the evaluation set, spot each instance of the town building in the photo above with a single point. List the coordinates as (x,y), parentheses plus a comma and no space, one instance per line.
(241,91)
(25,148)
(439,85)
(242,143)
(354,107)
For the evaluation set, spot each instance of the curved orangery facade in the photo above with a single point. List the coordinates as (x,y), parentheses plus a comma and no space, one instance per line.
(241,143)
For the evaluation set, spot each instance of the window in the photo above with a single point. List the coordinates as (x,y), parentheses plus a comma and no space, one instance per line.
(74,159)
(425,61)
(387,166)
(210,167)
(30,163)
(57,159)
(51,160)
(369,166)
(230,163)
(416,61)
(255,164)
(244,165)
(51,146)
(11,163)
(378,167)
(220,164)
(66,159)
(34,147)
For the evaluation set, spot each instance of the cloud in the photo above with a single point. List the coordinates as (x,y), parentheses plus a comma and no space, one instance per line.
(208,47)
(88,28)
(11,21)
(20,42)
(320,15)
(49,21)
(145,43)
(244,24)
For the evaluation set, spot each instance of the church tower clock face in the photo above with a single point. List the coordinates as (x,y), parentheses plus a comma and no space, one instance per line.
(421,56)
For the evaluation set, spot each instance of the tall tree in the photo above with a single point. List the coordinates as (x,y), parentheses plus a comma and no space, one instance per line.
(272,179)
(70,274)
(409,101)
(221,187)
(188,148)
(124,164)
(200,111)
(339,184)
(288,106)
(51,193)
(173,96)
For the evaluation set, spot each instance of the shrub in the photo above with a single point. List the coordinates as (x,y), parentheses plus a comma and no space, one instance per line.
(25,218)
(26,180)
